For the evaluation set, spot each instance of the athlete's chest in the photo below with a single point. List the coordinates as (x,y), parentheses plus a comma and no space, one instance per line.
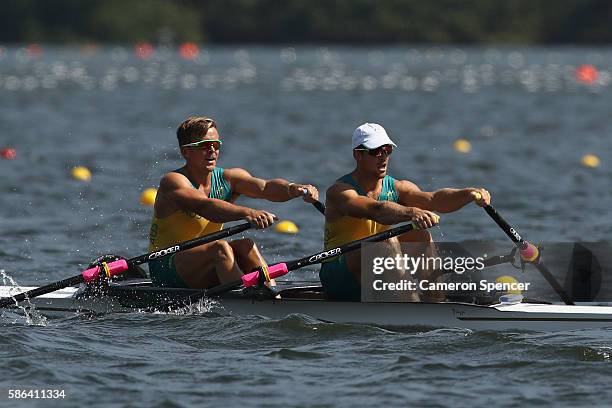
(381,195)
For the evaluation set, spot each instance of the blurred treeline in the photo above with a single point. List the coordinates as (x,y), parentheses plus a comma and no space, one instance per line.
(308,21)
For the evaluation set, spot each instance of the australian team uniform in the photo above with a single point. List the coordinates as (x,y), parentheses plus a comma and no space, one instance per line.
(338,282)
(182,226)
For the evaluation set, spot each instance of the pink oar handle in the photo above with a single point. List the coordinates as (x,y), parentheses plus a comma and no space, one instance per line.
(274,271)
(530,253)
(114,268)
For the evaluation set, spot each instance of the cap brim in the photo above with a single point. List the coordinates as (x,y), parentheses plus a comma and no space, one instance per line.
(374,145)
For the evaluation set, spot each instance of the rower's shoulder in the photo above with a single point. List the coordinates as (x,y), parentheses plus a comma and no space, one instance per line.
(173,180)
(165,201)
(236,172)
(340,188)
(406,185)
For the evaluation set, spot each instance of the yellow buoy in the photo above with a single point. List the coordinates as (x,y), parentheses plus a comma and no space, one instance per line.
(462,146)
(81,173)
(590,160)
(511,280)
(148,196)
(286,227)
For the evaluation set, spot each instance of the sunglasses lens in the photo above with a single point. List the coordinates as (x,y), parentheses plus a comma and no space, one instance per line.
(206,144)
(386,149)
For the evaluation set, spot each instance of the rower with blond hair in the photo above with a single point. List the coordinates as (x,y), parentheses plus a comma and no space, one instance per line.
(197,198)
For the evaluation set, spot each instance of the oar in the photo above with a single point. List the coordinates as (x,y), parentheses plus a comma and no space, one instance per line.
(280,269)
(317,204)
(529,252)
(116,267)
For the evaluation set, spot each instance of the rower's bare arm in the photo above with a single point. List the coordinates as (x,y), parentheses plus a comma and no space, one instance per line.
(277,190)
(344,200)
(444,200)
(176,193)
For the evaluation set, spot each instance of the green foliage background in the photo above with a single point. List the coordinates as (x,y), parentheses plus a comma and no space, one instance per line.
(308,21)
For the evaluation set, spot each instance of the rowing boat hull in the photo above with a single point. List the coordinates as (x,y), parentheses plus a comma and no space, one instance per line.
(534,317)
(500,317)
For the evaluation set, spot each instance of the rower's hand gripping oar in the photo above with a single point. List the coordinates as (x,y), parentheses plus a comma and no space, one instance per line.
(280,269)
(114,268)
(317,204)
(529,252)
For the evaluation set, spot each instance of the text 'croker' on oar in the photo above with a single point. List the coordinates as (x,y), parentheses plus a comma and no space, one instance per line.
(280,269)
(117,267)
(529,252)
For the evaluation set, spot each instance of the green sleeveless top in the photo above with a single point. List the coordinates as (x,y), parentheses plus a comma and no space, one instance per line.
(347,229)
(183,225)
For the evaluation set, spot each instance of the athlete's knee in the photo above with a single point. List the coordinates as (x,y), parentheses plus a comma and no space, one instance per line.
(244,246)
(392,240)
(393,244)
(223,250)
(424,236)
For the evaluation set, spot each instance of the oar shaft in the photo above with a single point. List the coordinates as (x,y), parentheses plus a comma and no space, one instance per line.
(351,246)
(117,267)
(224,233)
(280,269)
(554,283)
(75,280)
(503,224)
(498,260)
(319,206)
(283,268)
(528,252)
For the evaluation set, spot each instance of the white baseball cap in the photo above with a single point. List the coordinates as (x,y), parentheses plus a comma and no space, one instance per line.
(371,135)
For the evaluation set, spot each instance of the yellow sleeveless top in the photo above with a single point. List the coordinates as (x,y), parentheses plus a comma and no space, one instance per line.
(346,229)
(182,226)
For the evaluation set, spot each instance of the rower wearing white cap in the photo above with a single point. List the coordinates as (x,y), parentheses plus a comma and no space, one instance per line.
(368,200)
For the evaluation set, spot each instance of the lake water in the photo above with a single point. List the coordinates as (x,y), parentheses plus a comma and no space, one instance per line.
(289,112)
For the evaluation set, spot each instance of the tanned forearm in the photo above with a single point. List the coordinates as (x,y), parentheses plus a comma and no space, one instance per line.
(451,199)
(220,211)
(389,213)
(279,190)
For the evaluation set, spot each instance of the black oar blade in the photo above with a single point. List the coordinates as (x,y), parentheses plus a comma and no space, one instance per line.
(584,274)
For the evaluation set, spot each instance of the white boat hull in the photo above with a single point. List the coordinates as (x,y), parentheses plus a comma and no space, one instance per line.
(520,316)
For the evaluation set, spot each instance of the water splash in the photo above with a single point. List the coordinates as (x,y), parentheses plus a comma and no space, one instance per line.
(440,231)
(30,314)
(202,307)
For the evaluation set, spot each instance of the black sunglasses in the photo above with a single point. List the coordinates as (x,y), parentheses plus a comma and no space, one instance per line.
(377,152)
